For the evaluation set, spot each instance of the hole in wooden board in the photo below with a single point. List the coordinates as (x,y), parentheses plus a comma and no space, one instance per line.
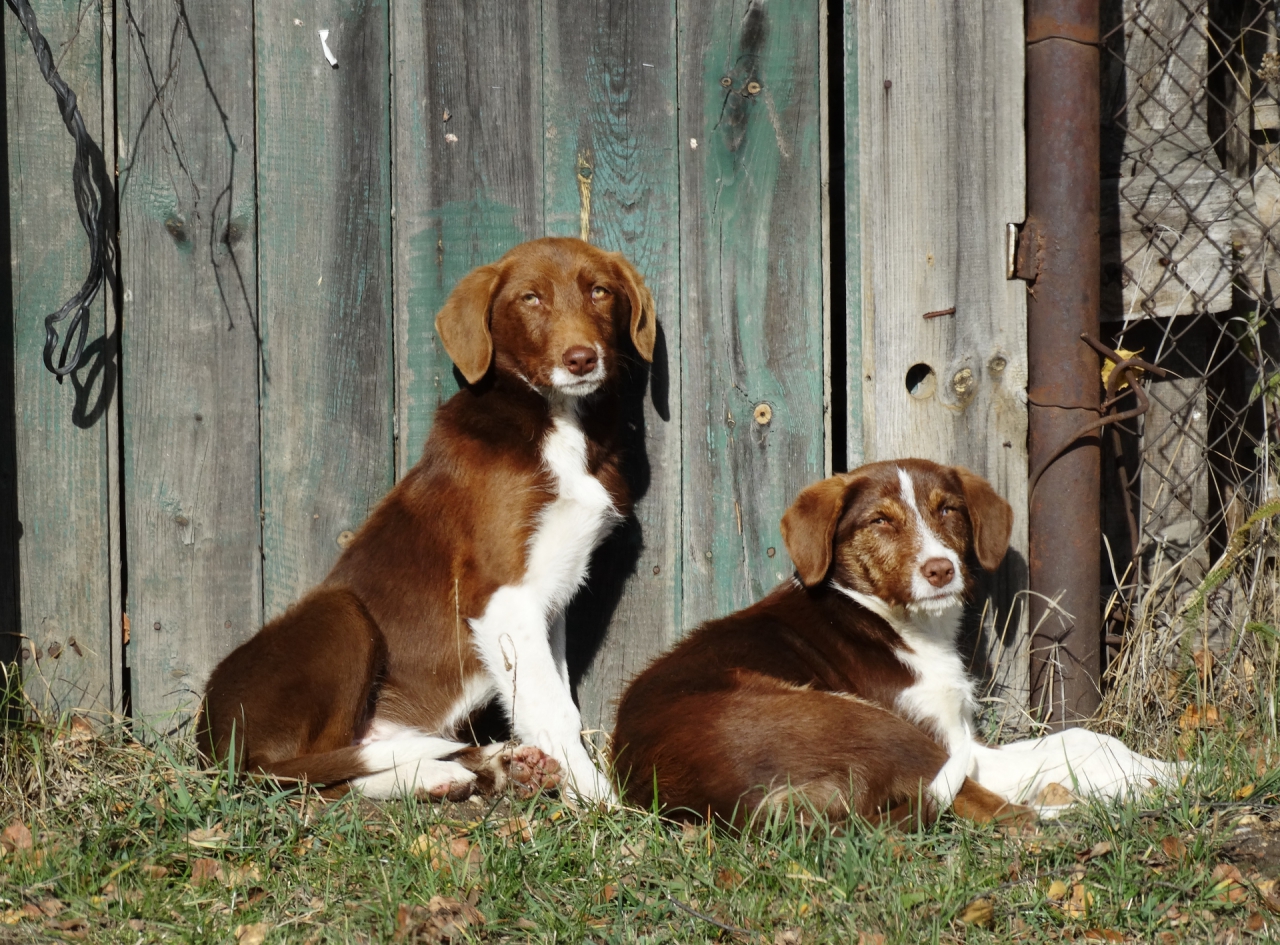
(921,381)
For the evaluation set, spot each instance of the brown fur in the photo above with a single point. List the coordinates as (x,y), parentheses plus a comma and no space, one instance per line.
(386,633)
(793,698)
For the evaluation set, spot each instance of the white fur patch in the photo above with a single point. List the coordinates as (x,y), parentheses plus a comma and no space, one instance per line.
(405,761)
(923,593)
(517,636)
(1087,763)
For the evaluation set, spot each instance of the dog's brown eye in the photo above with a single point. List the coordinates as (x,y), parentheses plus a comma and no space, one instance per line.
(600,292)
(946,510)
(532,298)
(880,520)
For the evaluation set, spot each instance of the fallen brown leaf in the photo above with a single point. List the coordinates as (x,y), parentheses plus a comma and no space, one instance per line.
(1057,890)
(1228,883)
(16,837)
(152,871)
(254,934)
(870,938)
(1199,716)
(208,837)
(442,919)
(1174,848)
(1269,890)
(515,827)
(1054,795)
(527,924)
(1080,901)
(980,912)
(787,937)
(204,870)
(1104,935)
(727,878)
(1255,922)
(1101,848)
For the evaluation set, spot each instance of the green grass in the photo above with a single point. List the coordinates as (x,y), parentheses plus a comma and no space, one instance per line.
(113,856)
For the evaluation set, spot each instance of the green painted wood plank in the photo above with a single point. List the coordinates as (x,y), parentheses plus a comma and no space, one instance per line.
(751,290)
(188,271)
(61,438)
(324,255)
(612,175)
(851,238)
(467,188)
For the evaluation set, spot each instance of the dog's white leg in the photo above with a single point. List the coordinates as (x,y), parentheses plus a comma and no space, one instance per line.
(1091,765)
(946,783)
(514,640)
(407,762)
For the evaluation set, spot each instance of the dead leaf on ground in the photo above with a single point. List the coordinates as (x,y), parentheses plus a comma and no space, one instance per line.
(71,928)
(515,827)
(137,925)
(981,912)
(1079,902)
(1255,922)
(787,937)
(870,938)
(1057,890)
(1269,891)
(254,934)
(1101,848)
(442,919)
(16,837)
(208,837)
(1174,848)
(1199,716)
(1103,935)
(727,878)
(204,870)
(1054,795)
(608,893)
(246,875)
(153,871)
(1228,883)
(527,925)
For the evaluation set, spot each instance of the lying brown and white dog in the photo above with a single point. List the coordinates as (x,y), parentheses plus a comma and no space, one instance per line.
(844,688)
(454,590)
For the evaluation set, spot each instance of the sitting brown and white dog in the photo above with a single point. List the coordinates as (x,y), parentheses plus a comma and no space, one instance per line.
(454,590)
(844,688)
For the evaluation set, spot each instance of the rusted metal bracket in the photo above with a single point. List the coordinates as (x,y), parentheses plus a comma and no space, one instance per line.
(1028,252)
(1123,371)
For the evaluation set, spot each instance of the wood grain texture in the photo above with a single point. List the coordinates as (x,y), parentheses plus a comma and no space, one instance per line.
(851,238)
(941,166)
(611,174)
(467,188)
(190,340)
(324,257)
(751,290)
(60,435)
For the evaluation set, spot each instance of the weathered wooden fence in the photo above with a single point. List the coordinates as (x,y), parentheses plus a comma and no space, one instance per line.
(288,229)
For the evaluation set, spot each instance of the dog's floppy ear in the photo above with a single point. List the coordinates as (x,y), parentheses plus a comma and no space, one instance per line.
(809,525)
(463,323)
(644,320)
(991,517)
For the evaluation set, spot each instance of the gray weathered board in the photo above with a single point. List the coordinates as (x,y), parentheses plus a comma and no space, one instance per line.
(934,109)
(289,229)
(64,640)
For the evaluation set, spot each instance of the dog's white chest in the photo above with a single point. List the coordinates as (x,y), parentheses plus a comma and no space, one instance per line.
(571,525)
(942,695)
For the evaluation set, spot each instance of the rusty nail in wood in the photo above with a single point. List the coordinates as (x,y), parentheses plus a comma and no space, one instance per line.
(940,312)
(753,88)
(888,84)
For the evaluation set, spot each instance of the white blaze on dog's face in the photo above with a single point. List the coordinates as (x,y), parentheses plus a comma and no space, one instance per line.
(555,314)
(900,531)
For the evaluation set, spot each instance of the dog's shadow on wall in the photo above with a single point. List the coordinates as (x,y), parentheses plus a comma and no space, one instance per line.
(989,632)
(614,562)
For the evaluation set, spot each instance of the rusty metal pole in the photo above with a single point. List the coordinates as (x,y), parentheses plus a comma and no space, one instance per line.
(1059,255)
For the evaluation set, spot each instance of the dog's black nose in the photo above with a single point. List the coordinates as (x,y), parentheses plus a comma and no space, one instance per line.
(938,571)
(580,360)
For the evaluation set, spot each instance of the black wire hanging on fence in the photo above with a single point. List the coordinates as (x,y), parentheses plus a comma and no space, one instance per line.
(90,204)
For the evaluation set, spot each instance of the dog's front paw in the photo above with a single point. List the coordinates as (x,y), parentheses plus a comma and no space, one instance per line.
(530,770)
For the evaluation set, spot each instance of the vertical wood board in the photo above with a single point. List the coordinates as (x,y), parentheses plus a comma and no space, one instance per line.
(941,166)
(751,291)
(324,254)
(611,176)
(187,242)
(467,188)
(60,432)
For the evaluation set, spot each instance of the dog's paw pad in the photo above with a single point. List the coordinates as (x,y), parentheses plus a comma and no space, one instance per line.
(529,770)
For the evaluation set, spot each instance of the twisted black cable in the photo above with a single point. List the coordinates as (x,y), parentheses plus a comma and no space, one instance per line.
(90,205)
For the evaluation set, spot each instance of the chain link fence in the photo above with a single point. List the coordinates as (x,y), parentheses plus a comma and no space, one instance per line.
(1190,266)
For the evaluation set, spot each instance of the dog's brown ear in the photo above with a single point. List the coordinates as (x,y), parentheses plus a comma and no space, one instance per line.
(991,517)
(644,319)
(463,323)
(809,526)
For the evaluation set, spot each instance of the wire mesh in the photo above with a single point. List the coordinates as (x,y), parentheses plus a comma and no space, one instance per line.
(1190,233)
